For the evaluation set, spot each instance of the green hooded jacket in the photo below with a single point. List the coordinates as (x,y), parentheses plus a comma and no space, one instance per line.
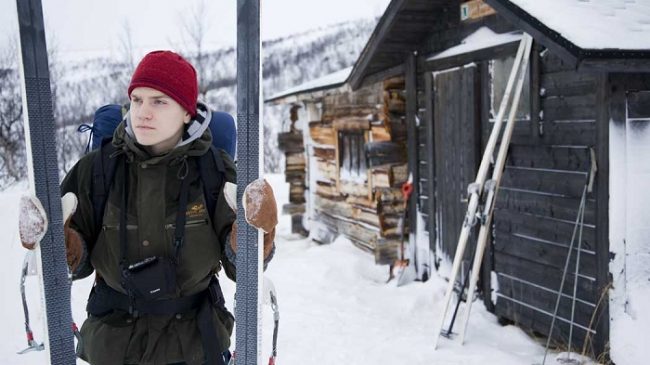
(154,186)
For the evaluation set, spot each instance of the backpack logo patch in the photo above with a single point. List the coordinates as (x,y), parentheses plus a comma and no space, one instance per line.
(196,210)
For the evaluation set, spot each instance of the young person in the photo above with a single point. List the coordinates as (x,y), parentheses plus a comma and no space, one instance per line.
(157,250)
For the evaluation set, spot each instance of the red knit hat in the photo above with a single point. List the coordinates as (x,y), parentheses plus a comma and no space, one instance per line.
(169,73)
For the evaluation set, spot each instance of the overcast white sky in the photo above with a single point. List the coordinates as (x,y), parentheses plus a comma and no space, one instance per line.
(84,28)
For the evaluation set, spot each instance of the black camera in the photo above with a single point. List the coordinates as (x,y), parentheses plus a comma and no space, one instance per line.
(151,279)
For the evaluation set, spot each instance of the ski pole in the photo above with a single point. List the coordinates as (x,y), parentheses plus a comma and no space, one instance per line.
(494,183)
(460,299)
(476,188)
(32,345)
(276,324)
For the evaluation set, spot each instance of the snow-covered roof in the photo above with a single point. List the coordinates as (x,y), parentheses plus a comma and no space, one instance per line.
(594,24)
(482,38)
(332,80)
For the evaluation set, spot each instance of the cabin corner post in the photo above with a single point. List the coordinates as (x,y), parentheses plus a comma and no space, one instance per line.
(610,101)
(431,160)
(412,145)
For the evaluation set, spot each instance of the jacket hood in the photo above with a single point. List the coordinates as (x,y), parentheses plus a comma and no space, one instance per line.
(195,141)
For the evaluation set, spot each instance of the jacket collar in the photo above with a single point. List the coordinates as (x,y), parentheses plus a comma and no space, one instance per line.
(195,141)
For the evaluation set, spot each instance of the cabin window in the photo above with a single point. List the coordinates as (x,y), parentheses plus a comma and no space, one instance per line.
(352,157)
(499,73)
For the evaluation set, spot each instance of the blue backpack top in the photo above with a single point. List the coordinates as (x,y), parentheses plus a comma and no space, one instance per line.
(107,118)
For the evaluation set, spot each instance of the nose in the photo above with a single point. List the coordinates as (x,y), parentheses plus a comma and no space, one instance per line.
(143,112)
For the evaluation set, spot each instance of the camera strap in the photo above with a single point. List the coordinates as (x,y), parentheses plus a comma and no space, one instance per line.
(179,231)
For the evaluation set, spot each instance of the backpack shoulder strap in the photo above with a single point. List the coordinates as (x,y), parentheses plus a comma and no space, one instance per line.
(212,171)
(103,172)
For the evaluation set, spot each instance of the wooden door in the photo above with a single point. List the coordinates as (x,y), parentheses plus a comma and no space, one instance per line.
(457,140)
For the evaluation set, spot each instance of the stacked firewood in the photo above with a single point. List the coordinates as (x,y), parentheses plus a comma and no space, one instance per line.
(291,143)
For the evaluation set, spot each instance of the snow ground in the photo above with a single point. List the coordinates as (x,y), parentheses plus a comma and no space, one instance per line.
(335,307)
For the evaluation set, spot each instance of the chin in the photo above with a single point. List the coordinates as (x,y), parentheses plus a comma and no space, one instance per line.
(144,141)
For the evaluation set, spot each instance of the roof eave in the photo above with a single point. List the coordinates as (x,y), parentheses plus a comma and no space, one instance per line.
(551,39)
(308,94)
(383,27)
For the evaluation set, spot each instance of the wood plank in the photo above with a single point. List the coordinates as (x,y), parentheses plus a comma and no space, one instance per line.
(551,182)
(297,198)
(430,159)
(543,228)
(352,230)
(567,83)
(549,157)
(295,159)
(372,110)
(545,299)
(396,83)
(628,62)
(325,153)
(539,323)
(327,190)
(327,169)
(342,208)
(290,142)
(551,63)
(386,251)
(297,177)
(349,123)
(545,253)
(297,227)
(381,177)
(528,202)
(293,209)
(563,133)
(606,104)
(380,134)
(385,153)
(400,174)
(398,132)
(543,275)
(388,194)
(353,188)
(395,207)
(322,134)
(569,107)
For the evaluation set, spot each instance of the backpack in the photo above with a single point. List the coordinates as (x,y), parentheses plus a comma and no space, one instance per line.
(211,165)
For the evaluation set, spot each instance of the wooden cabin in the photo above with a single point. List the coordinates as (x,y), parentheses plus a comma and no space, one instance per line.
(582,121)
(356,152)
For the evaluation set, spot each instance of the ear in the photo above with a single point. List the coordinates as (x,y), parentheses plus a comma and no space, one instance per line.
(186,118)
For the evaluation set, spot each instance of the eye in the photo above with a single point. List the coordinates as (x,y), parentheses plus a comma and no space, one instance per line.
(136,100)
(159,102)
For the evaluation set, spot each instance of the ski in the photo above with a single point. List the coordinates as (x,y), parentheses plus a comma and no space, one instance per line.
(475,189)
(248,296)
(44,179)
(492,186)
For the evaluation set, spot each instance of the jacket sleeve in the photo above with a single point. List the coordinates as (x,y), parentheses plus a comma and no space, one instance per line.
(224,217)
(78,181)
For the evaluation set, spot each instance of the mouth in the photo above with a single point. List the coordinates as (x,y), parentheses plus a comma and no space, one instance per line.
(144,127)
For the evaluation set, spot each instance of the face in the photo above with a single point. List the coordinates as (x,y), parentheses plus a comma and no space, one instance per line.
(156,119)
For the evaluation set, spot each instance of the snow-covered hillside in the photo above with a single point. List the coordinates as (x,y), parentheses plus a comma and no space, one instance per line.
(80,87)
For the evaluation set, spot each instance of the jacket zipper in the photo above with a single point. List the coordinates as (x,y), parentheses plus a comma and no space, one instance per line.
(192,223)
(129,227)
